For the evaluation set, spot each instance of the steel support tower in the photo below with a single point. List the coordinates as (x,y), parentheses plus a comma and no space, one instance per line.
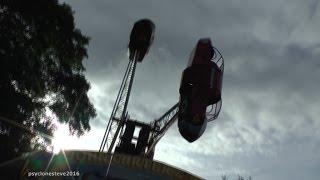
(120,109)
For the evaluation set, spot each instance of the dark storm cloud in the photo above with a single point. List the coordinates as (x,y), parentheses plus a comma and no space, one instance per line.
(268,126)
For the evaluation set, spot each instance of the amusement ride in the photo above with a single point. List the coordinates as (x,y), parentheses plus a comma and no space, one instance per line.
(200,98)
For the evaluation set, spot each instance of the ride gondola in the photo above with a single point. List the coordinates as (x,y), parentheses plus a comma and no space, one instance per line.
(141,38)
(200,87)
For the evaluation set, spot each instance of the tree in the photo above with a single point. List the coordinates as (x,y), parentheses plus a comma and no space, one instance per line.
(41,70)
(224,177)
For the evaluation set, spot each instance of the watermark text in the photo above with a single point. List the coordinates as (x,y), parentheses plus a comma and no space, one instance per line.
(53,173)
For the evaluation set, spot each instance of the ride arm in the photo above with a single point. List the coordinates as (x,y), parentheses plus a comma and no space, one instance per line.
(161,126)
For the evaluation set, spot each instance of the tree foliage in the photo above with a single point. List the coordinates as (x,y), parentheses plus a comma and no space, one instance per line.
(41,70)
(224,177)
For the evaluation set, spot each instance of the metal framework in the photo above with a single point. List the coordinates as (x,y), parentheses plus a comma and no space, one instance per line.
(119,109)
(161,125)
(120,127)
(215,108)
(119,116)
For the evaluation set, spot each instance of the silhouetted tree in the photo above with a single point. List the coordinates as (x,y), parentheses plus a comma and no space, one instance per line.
(224,177)
(41,70)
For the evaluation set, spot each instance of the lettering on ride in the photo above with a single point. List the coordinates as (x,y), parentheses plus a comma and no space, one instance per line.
(156,167)
(104,158)
(147,164)
(116,159)
(92,158)
(129,162)
(126,161)
(138,162)
(167,170)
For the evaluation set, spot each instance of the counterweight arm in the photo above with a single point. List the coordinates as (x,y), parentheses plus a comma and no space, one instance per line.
(161,125)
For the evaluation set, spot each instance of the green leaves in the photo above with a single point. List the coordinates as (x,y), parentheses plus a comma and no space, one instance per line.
(41,54)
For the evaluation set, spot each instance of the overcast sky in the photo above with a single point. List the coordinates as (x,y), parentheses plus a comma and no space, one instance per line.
(268,126)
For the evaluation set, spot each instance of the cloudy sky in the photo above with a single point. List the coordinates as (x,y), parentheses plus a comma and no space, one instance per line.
(268,126)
